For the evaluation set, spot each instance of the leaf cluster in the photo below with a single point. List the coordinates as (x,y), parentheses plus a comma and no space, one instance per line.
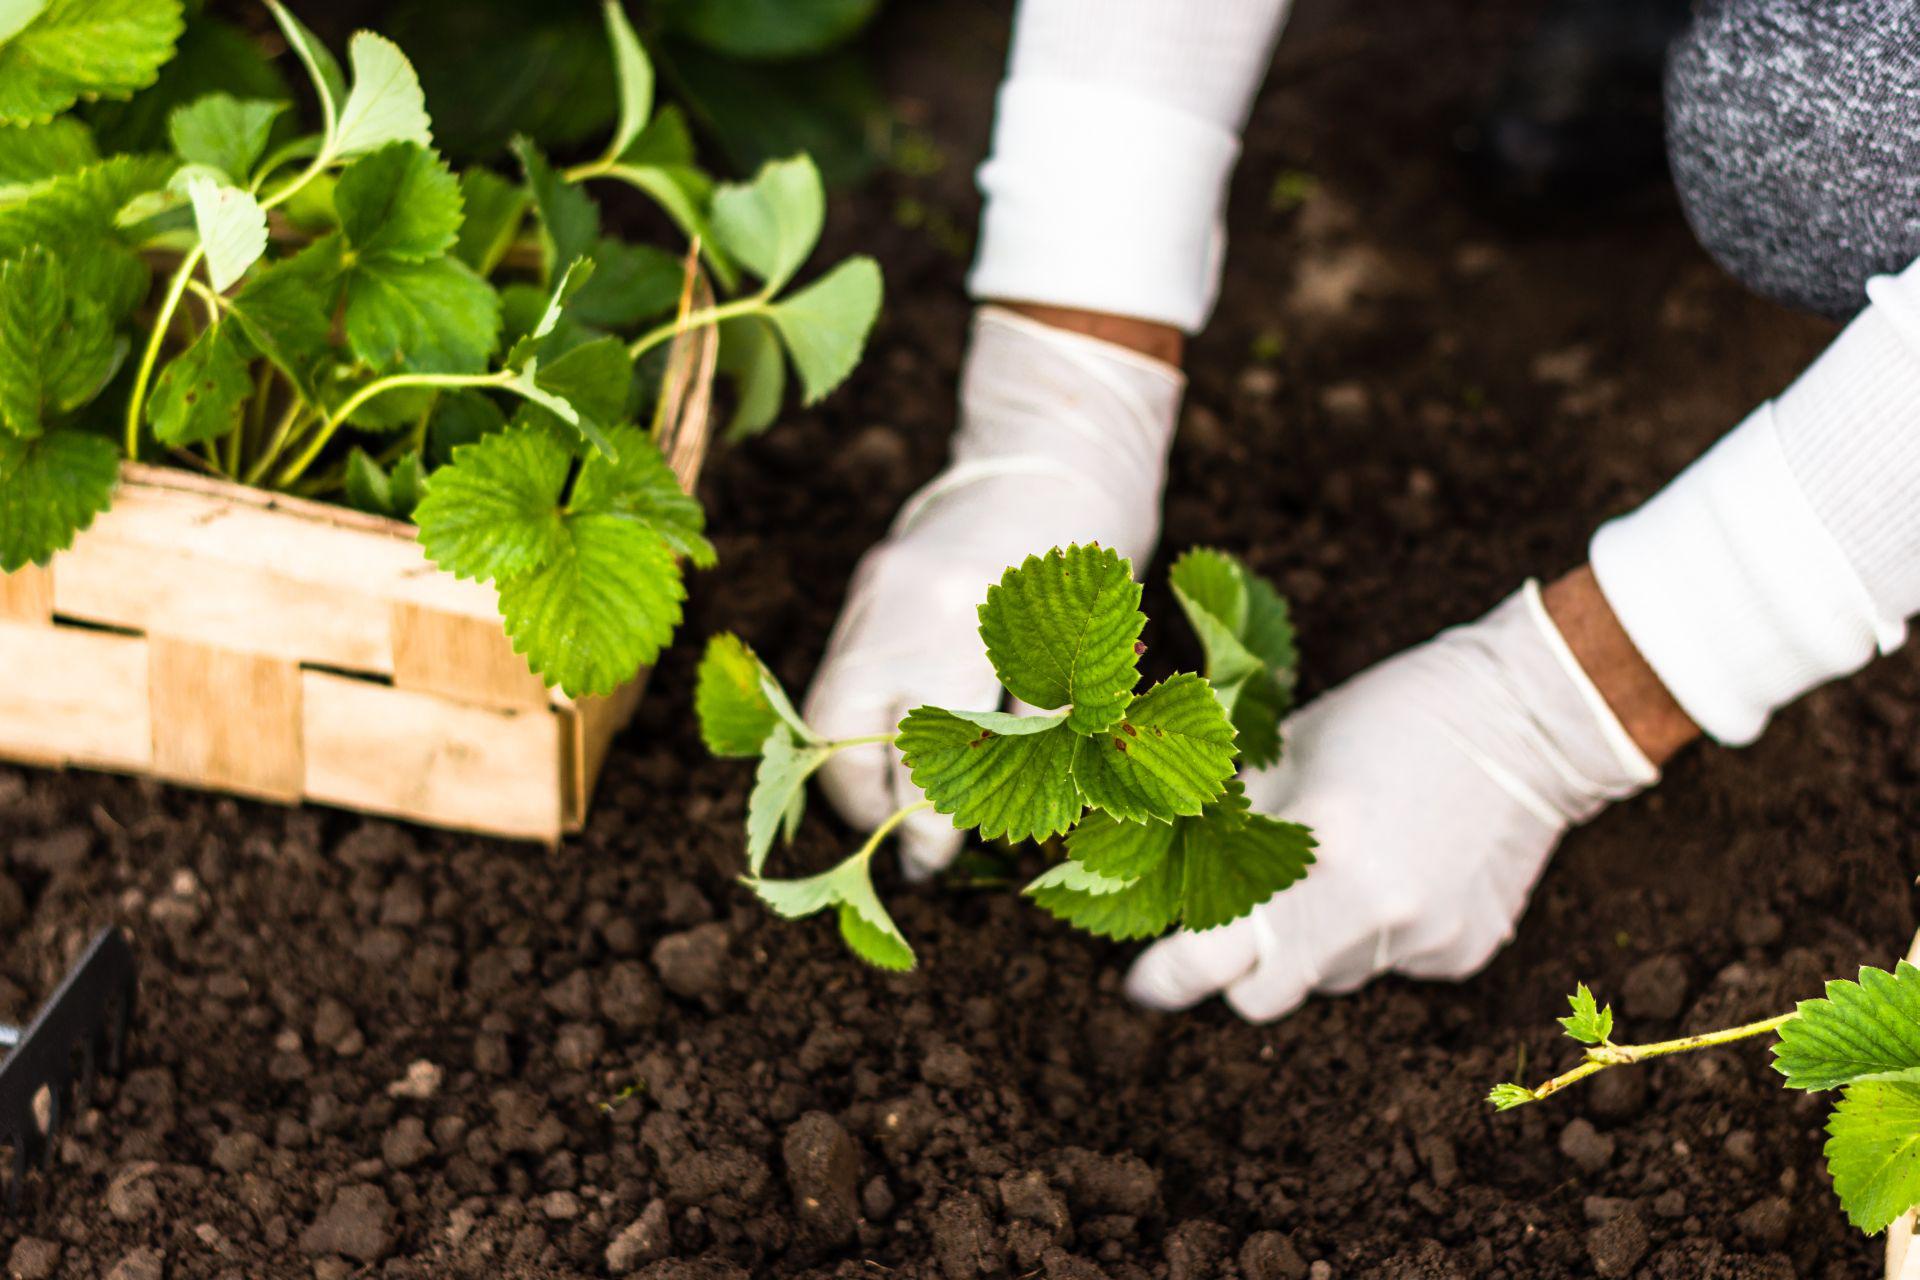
(1140,781)
(349,317)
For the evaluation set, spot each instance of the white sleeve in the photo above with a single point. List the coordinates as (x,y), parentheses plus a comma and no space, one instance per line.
(1790,553)
(1115,135)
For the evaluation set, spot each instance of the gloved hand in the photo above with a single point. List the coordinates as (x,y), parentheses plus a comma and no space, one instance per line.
(1437,783)
(1062,438)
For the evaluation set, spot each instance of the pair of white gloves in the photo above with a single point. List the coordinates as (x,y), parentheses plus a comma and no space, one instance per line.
(1437,783)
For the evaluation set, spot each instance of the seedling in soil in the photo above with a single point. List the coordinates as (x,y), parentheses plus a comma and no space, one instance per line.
(1863,1039)
(344,316)
(1158,832)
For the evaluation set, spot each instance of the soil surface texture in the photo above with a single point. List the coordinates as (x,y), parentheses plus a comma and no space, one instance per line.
(364,1049)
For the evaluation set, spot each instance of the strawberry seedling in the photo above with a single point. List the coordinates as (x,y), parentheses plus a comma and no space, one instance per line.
(1140,782)
(1862,1039)
(344,316)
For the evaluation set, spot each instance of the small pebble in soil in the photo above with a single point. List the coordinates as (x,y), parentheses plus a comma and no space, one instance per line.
(628,997)
(693,963)
(1766,1222)
(947,1066)
(405,1144)
(1655,989)
(33,1259)
(357,1224)
(235,1152)
(1616,1248)
(1670,1204)
(644,1240)
(144,1263)
(876,1198)
(1586,1146)
(823,1166)
(1268,1255)
(421,1082)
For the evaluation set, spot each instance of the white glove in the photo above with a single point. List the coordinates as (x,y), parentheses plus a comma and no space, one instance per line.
(1062,438)
(1437,784)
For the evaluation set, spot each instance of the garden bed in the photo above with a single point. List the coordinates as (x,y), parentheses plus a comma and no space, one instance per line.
(1450,407)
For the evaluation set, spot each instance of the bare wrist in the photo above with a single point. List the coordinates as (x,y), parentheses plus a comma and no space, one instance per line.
(1601,645)
(1157,341)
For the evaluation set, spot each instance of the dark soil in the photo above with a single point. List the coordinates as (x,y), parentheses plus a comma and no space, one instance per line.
(1402,409)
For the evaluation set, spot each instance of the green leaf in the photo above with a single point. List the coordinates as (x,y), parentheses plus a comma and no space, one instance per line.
(1169,757)
(200,394)
(593,381)
(633,71)
(494,511)
(71,50)
(735,699)
(750,355)
(778,798)
(73,216)
(774,30)
(1588,1023)
(16,14)
(385,104)
(883,948)
(51,487)
(56,348)
(435,316)
(232,226)
(1247,635)
(770,224)
(328,84)
(601,610)
(224,132)
(1865,1030)
(1061,631)
(31,154)
(286,309)
(848,885)
(1234,865)
(1017,785)
(569,219)
(1873,1152)
(1505,1097)
(1122,910)
(495,208)
(825,325)
(630,283)
(368,488)
(635,480)
(399,202)
(1123,851)
(1218,866)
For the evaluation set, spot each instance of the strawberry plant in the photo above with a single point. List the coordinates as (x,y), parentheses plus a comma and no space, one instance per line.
(333,311)
(1140,782)
(1862,1039)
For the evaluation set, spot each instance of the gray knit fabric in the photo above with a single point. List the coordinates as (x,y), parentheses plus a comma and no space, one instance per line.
(1793,127)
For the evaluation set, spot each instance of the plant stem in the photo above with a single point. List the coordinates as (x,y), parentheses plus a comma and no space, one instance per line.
(1601,1056)
(841,744)
(379,386)
(885,829)
(282,431)
(137,399)
(696,320)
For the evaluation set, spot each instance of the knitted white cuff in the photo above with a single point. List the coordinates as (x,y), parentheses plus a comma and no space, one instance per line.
(1734,589)
(1102,200)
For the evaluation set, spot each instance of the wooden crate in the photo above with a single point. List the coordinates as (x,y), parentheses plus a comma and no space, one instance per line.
(244,641)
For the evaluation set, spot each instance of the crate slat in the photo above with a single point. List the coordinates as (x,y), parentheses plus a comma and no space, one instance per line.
(27,596)
(468,659)
(414,755)
(70,696)
(225,718)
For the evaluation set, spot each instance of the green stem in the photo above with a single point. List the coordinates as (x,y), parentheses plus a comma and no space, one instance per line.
(841,744)
(379,386)
(885,829)
(282,432)
(137,399)
(1607,1054)
(696,320)
(321,159)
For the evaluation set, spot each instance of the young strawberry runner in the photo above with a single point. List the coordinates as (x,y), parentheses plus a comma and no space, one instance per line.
(1440,781)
